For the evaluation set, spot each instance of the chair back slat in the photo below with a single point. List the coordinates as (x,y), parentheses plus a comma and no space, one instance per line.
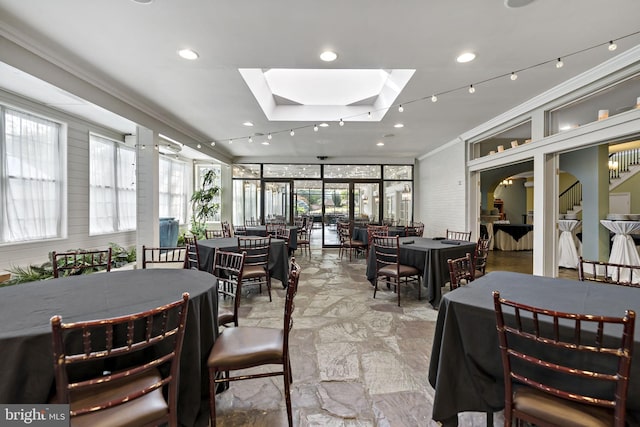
(458,235)
(80,262)
(163,257)
(461,271)
(605,272)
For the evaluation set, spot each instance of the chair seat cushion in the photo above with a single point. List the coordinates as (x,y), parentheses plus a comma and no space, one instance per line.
(405,270)
(253,271)
(560,411)
(225,316)
(246,346)
(133,413)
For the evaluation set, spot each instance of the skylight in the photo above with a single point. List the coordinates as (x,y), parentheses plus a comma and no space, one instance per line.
(325,95)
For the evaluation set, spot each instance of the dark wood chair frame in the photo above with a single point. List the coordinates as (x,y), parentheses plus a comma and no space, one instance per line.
(481,255)
(227,267)
(192,257)
(163,255)
(161,328)
(256,261)
(78,262)
(373,231)
(226,229)
(214,234)
(605,272)
(523,329)
(387,252)
(460,269)
(347,243)
(416,229)
(458,235)
(304,239)
(243,358)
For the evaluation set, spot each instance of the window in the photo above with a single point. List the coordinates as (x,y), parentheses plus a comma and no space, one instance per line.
(31,177)
(173,194)
(112,194)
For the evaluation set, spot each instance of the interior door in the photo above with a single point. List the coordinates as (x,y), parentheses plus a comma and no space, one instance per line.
(335,207)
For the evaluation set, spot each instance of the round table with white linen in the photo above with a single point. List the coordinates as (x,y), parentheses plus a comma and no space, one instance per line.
(567,252)
(623,250)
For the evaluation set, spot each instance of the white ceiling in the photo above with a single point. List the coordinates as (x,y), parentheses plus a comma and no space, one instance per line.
(129,49)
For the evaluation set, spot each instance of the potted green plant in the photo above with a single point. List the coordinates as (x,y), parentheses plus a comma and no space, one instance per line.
(204,204)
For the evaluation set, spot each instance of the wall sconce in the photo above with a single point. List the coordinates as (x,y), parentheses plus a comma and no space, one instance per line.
(365,199)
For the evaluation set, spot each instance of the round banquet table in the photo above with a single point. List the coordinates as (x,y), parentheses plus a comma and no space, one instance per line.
(26,365)
(567,252)
(623,250)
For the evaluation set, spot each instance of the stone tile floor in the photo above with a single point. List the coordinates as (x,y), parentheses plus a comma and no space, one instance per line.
(356,361)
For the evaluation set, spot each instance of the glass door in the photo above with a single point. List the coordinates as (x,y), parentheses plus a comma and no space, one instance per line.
(277,201)
(366,203)
(335,207)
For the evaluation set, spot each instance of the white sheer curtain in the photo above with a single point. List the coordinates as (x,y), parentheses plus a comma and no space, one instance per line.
(112,195)
(31,187)
(173,195)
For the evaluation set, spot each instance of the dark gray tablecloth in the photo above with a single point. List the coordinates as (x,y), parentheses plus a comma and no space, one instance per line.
(26,360)
(466,369)
(278,257)
(360,233)
(430,257)
(261,230)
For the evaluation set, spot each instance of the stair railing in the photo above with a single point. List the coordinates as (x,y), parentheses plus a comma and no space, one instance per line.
(570,197)
(619,162)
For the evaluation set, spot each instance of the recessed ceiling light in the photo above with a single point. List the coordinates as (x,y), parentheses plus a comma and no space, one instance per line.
(516,3)
(324,125)
(466,57)
(248,124)
(398,125)
(265,143)
(328,56)
(380,144)
(188,54)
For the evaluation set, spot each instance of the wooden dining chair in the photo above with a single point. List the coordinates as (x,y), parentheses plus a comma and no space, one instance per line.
(388,267)
(250,346)
(163,257)
(458,235)
(461,271)
(304,239)
(226,229)
(415,229)
(563,369)
(605,272)
(192,256)
(240,230)
(256,261)
(134,395)
(481,255)
(373,231)
(80,262)
(227,267)
(347,243)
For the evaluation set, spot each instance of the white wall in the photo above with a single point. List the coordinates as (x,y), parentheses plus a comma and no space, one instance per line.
(441,190)
(77,187)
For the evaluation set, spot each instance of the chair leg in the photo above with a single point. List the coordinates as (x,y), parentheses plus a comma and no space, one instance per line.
(287,391)
(398,289)
(269,287)
(375,288)
(212,398)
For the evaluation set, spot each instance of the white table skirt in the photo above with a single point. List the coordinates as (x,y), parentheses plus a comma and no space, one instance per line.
(623,250)
(505,242)
(567,252)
